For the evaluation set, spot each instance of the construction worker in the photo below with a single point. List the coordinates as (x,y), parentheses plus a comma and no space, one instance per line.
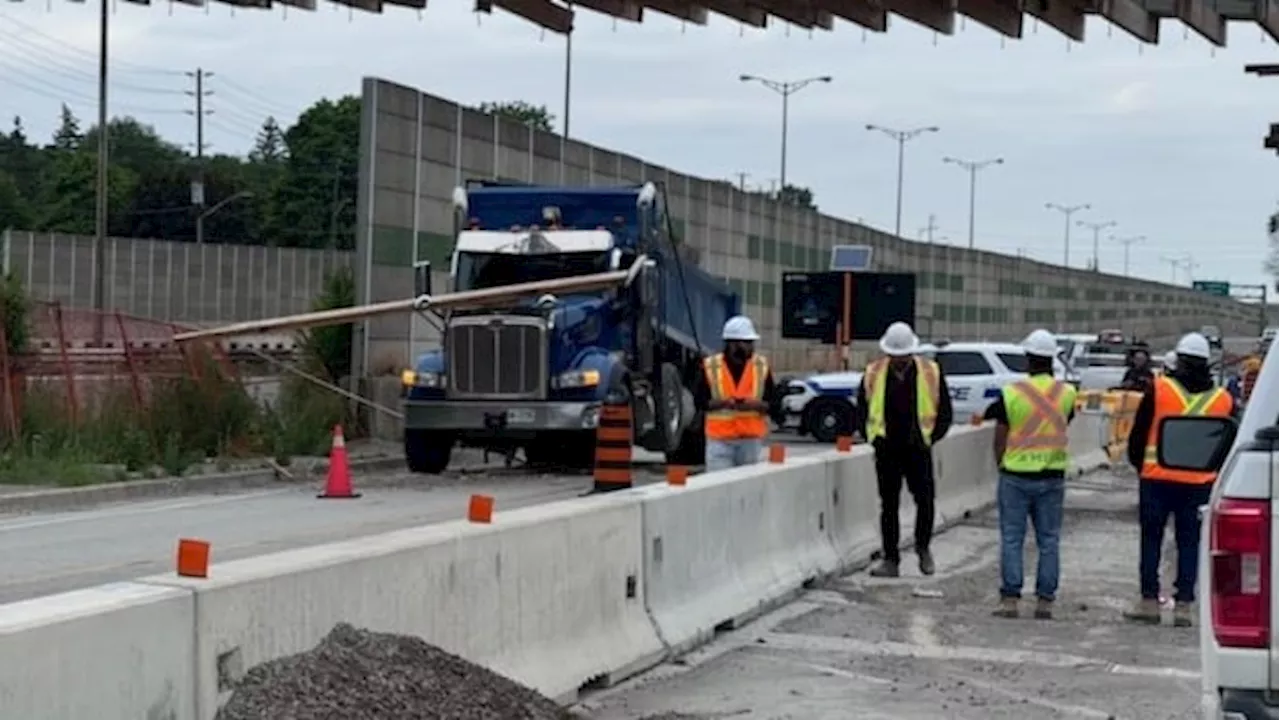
(1030,446)
(1187,391)
(1170,362)
(1139,375)
(903,408)
(737,394)
(1249,369)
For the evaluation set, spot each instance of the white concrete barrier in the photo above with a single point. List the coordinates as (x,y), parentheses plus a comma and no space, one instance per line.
(557,596)
(732,543)
(1086,442)
(552,596)
(123,651)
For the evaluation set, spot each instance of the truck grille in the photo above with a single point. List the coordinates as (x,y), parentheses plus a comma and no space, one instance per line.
(497,357)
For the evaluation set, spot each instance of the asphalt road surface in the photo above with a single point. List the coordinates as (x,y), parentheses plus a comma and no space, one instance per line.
(861,648)
(53,552)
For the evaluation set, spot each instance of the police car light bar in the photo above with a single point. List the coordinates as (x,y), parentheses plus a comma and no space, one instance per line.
(851,258)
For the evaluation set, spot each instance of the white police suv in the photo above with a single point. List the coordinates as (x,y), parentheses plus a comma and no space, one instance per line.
(822,405)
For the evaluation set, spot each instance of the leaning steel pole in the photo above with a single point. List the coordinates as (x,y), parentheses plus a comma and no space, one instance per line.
(100,222)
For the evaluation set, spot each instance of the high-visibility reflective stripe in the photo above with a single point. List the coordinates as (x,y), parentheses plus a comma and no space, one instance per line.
(729,424)
(1173,400)
(875,383)
(1044,410)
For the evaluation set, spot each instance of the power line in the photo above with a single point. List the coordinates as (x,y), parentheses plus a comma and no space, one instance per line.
(89,55)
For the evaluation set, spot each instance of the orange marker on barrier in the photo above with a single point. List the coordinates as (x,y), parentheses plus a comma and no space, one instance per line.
(975,419)
(193,558)
(480,509)
(677,475)
(844,443)
(777,453)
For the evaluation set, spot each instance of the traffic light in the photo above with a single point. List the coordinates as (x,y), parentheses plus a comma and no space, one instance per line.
(1272,140)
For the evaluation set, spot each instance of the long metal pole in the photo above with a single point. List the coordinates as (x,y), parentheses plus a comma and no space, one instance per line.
(100,221)
(786,106)
(897,223)
(568,71)
(1066,241)
(973,194)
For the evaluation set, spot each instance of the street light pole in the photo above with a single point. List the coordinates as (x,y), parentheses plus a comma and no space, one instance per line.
(568,69)
(1096,228)
(100,214)
(1127,241)
(1067,211)
(901,137)
(786,89)
(973,166)
(215,208)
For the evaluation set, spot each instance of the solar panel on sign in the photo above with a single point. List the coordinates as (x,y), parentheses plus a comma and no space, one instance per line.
(851,258)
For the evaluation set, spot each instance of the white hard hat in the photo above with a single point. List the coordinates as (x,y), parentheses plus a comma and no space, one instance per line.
(1040,343)
(1171,360)
(1193,345)
(899,340)
(740,327)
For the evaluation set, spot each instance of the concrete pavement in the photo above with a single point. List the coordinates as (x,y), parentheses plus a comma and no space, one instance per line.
(862,648)
(58,551)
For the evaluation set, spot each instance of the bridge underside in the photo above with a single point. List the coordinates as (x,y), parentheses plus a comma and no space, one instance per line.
(1140,18)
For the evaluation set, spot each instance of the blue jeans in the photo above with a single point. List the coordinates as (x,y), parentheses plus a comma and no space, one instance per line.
(1156,502)
(725,454)
(1041,500)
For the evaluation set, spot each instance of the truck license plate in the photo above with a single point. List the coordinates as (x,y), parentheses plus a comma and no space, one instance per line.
(520,417)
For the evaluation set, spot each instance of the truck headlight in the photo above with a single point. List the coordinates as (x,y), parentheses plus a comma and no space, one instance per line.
(576,379)
(411,378)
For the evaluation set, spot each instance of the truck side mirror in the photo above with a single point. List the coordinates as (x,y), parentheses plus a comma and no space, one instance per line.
(422,278)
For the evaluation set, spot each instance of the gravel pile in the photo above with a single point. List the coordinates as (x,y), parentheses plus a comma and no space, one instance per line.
(356,674)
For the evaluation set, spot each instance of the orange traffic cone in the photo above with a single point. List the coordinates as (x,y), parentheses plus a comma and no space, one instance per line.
(338,484)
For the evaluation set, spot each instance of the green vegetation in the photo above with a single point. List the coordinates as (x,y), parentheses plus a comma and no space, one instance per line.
(201,414)
(522,112)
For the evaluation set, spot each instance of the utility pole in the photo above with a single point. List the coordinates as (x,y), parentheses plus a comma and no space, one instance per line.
(197,185)
(100,212)
(1127,241)
(973,167)
(568,68)
(786,90)
(1097,228)
(1174,264)
(742,180)
(928,230)
(901,137)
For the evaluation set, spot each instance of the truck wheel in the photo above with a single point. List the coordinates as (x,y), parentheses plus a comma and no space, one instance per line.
(828,418)
(669,406)
(427,451)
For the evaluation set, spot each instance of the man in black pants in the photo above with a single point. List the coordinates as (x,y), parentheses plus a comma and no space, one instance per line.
(903,408)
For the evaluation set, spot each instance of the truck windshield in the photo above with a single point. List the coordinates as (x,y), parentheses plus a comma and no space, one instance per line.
(487,270)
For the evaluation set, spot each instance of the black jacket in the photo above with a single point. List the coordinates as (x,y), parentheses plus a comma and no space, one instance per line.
(902,429)
(1193,380)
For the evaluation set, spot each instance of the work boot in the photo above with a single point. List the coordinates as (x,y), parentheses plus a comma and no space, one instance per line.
(1044,609)
(926,562)
(1008,608)
(1182,614)
(885,569)
(1145,611)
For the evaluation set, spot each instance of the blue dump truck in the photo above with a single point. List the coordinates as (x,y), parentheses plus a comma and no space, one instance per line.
(531,373)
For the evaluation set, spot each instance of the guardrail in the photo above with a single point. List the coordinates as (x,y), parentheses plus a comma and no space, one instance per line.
(573,594)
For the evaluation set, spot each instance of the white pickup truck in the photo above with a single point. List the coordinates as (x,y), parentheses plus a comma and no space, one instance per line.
(1238,561)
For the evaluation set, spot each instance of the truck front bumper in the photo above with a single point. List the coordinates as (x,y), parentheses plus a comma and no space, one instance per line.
(500,417)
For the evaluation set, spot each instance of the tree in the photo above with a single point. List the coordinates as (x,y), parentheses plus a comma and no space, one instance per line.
(314,203)
(796,196)
(269,147)
(522,112)
(67,136)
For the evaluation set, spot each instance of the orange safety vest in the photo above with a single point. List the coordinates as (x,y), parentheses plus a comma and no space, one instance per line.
(731,424)
(1172,400)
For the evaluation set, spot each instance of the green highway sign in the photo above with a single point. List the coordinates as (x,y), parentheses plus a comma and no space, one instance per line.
(1213,287)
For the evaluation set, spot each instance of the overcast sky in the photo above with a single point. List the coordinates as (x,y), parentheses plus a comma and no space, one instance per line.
(1164,140)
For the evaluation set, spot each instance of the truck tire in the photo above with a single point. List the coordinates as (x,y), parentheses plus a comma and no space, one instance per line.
(427,451)
(827,418)
(670,410)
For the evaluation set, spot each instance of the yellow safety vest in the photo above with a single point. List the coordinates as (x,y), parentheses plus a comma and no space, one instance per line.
(874,382)
(1037,409)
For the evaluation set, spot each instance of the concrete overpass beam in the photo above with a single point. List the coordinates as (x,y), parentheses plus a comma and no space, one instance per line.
(621,9)
(1132,17)
(800,14)
(1062,15)
(680,10)
(740,11)
(1267,17)
(937,15)
(858,12)
(1003,16)
(373,6)
(1204,19)
(540,12)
